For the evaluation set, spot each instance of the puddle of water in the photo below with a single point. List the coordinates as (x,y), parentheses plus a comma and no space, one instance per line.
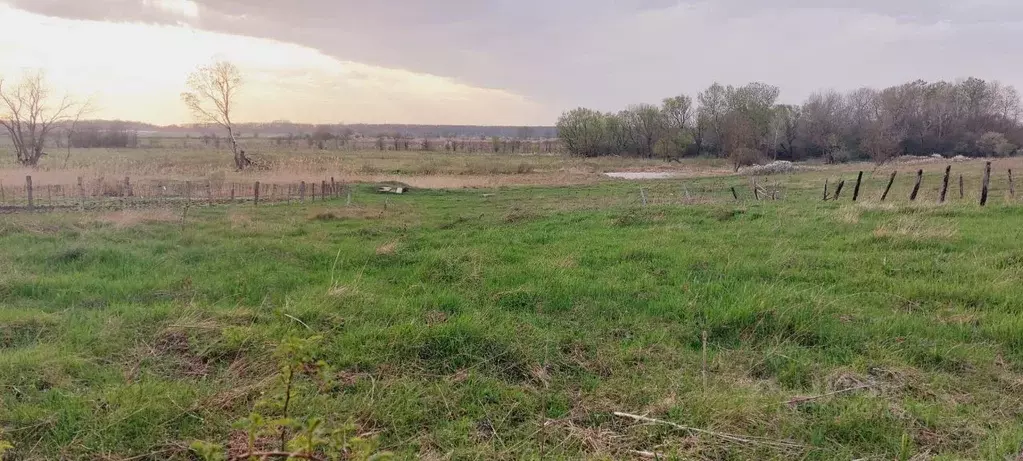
(641,175)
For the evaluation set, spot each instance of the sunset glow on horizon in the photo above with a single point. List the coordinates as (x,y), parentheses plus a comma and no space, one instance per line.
(136,71)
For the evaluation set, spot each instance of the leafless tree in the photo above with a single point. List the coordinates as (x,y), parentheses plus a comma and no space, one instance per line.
(29,115)
(785,127)
(211,96)
(822,116)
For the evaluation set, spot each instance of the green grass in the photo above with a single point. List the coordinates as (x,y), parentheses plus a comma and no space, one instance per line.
(513,325)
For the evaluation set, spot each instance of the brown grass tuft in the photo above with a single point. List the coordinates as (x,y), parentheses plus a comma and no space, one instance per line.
(387,248)
(915,229)
(131,218)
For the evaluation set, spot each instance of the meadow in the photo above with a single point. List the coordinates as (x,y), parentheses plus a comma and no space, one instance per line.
(522,318)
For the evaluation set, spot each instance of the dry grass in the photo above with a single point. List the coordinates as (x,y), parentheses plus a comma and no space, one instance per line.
(131,218)
(103,170)
(387,248)
(913,228)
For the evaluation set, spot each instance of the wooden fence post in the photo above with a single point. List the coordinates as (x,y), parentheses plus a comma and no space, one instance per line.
(1012,187)
(961,186)
(856,191)
(838,189)
(734,194)
(28,189)
(825,190)
(323,191)
(887,188)
(3,197)
(81,195)
(756,194)
(333,187)
(255,197)
(232,193)
(312,195)
(301,191)
(127,186)
(984,185)
(348,202)
(944,184)
(642,195)
(916,188)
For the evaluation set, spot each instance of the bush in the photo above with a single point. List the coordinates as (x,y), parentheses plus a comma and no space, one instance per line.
(744,157)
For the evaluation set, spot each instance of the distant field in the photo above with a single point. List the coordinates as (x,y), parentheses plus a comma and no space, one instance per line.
(512,322)
(435,169)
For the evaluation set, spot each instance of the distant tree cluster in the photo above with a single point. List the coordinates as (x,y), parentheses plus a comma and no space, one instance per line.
(971,117)
(113,136)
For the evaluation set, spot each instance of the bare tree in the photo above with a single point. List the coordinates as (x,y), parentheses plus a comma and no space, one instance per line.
(785,128)
(29,115)
(212,90)
(822,117)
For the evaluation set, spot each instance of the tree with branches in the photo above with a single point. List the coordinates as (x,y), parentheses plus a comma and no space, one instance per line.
(211,96)
(29,113)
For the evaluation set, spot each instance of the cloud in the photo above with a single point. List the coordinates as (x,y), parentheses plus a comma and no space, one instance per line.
(142,78)
(608,53)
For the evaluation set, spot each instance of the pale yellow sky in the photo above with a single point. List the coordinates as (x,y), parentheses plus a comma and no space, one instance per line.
(136,71)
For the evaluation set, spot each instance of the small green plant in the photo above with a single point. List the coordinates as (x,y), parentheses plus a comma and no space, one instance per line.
(307,438)
(5,446)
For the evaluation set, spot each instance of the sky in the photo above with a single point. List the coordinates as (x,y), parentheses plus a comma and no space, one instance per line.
(511,62)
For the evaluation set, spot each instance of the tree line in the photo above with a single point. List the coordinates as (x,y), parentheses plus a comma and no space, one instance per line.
(746,124)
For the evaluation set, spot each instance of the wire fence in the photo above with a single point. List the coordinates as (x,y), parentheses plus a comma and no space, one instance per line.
(102,194)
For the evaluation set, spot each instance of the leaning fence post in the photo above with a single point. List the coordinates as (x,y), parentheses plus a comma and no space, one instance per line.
(735,194)
(838,189)
(944,184)
(81,195)
(856,191)
(28,188)
(984,185)
(255,196)
(916,188)
(891,181)
(1012,187)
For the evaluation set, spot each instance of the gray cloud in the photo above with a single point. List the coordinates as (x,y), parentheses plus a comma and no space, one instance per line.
(607,53)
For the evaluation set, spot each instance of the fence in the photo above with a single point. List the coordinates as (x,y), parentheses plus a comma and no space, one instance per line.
(943,192)
(101,193)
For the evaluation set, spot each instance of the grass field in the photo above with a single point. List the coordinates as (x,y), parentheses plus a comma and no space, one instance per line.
(435,169)
(513,322)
